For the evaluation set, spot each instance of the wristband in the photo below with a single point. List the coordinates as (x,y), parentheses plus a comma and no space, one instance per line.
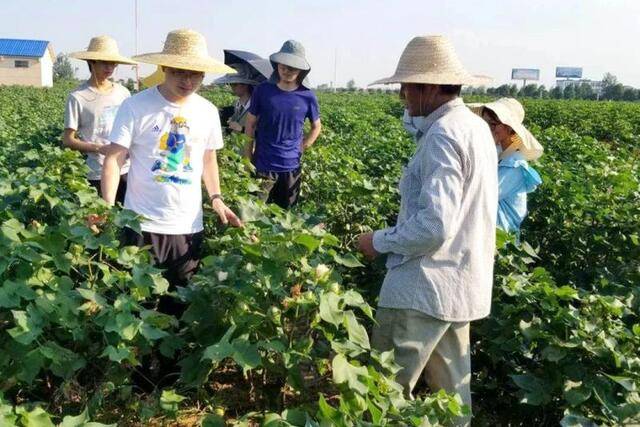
(212,197)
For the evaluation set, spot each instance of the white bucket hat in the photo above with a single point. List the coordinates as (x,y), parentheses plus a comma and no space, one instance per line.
(102,48)
(430,60)
(511,113)
(186,50)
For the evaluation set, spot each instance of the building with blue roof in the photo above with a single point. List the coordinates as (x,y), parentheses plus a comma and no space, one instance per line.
(26,62)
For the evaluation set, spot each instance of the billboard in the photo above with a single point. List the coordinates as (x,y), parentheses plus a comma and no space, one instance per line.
(569,72)
(525,74)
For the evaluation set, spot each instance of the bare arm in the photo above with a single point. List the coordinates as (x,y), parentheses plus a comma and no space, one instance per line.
(250,131)
(313,134)
(211,178)
(71,140)
(115,156)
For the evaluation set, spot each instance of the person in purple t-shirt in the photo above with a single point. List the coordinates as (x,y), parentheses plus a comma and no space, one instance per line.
(275,122)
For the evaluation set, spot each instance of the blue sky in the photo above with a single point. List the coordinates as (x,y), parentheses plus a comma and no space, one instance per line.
(491,36)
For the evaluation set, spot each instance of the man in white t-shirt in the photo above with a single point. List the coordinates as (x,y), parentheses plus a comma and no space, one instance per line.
(92,106)
(171,135)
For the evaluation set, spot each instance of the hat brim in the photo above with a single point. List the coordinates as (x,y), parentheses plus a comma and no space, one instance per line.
(205,65)
(430,78)
(531,149)
(227,80)
(101,56)
(290,61)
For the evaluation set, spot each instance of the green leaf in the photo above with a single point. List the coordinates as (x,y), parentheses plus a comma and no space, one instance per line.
(357,332)
(308,241)
(329,308)
(117,354)
(626,382)
(28,327)
(554,354)
(535,391)
(170,401)
(151,333)
(11,229)
(345,372)
(222,349)
(347,260)
(35,418)
(327,410)
(212,420)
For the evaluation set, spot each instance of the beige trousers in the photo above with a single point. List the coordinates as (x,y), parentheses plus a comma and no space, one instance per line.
(423,343)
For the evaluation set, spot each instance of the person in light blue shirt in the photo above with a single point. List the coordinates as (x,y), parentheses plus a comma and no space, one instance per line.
(516,146)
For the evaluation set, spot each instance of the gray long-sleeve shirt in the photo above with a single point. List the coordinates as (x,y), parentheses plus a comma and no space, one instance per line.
(441,251)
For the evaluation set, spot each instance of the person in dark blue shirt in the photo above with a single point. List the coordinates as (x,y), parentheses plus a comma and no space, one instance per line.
(275,124)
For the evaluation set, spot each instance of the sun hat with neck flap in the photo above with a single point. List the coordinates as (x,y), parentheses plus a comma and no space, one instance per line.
(430,60)
(511,113)
(186,50)
(102,48)
(291,54)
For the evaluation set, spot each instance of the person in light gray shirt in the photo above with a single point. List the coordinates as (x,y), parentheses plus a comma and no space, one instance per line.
(91,108)
(440,252)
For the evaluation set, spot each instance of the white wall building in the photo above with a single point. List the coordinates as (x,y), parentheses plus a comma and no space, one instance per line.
(596,85)
(26,62)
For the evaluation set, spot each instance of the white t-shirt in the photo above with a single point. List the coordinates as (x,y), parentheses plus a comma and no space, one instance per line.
(91,114)
(166,143)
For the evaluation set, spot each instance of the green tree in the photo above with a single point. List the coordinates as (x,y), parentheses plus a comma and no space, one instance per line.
(613,92)
(630,94)
(351,85)
(530,91)
(585,91)
(556,93)
(569,92)
(62,68)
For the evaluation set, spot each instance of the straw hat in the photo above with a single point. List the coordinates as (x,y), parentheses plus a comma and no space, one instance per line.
(102,48)
(511,113)
(153,79)
(430,60)
(187,50)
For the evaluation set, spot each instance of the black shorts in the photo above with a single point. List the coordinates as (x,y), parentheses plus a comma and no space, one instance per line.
(178,254)
(281,188)
(122,188)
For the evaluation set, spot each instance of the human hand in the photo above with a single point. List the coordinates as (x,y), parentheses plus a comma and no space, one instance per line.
(365,246)
(235,126)
(226,215)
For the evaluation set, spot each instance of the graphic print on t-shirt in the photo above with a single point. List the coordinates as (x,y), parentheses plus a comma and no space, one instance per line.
(174,154)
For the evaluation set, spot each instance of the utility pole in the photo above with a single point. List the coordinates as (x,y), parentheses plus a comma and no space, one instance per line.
(135,13)
(335,69)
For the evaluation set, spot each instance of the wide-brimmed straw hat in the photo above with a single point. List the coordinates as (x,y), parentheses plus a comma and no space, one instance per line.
(102,48)
(186,50)
(430,60)
(243,75)
(511,113)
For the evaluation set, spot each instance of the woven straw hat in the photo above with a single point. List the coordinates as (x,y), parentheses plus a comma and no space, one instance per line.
(102,48)
(511,113)
(430,60)
(187,50)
